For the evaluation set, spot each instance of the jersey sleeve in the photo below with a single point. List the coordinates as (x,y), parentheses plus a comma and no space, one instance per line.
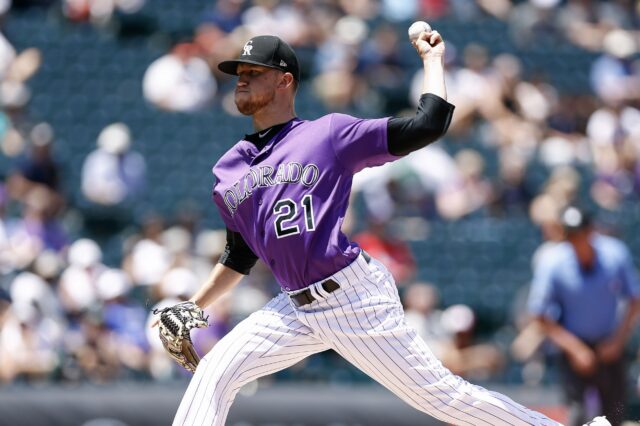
(360,143)
(237,254)
(432,120)
(543,300)
(223,210)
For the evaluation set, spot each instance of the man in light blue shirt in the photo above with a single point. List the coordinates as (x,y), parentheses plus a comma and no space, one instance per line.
(585,295)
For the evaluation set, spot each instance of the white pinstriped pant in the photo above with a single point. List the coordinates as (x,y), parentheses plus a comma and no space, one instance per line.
(364,322)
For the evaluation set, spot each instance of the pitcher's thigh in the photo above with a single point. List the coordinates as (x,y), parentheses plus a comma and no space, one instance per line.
(265,342)
(376,339)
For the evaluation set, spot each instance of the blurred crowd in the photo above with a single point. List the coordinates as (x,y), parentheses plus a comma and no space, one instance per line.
(65,315)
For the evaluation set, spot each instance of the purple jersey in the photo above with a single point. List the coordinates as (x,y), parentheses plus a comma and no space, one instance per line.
(288,200)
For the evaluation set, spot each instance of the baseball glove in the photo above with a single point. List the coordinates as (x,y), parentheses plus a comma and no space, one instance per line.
(175,325)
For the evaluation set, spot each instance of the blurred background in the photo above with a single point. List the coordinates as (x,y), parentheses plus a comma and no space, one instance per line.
(113,113)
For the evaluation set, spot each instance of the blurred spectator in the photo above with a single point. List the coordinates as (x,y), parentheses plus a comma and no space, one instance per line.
(562,150)
(180,81)
(545,213)
(77,289)
(525,346)
(33,298)
(421,307)
(40,167)
(178,282)
(534,100)
(30,336)
(178,242)
(498,8)
(532,21)
(208,246)
(383,187)
(613,133)
(563,185)
(113,173)
(471,83)
(148,259)
(613,125)
(91,354)
(473,192)
(586,23)
(283,19)
(614,78)
(225,15)
(336,84)
(99,12)
(15,70)
(123,319)
(380,63)
(380,243)
(569,114)
(38,229)
(614,182)
(512,192)
(460,353)
(215,44)
(400,10)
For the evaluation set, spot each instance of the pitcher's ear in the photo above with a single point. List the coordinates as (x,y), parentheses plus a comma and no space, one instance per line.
(287,80)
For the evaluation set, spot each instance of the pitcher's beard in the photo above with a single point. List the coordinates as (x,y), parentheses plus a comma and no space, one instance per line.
(254,104)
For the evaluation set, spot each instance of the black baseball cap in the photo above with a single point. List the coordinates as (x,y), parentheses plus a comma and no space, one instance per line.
(266,50)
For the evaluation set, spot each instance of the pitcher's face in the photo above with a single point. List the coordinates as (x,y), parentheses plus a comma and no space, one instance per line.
(256,87)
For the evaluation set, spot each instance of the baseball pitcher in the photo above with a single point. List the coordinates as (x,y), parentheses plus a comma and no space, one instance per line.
(282,193)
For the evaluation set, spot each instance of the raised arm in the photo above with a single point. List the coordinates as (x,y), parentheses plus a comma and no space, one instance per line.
(434,114)
(431,48)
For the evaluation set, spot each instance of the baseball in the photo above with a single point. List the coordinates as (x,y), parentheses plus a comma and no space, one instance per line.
(416,28)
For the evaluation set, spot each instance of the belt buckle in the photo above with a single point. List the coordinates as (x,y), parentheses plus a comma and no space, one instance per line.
(314,292)
(301,297)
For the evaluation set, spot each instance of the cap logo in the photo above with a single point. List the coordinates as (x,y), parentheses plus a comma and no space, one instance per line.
(283,63)
(246,50)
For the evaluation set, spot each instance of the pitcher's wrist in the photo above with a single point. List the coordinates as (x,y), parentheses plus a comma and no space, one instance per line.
(433,59)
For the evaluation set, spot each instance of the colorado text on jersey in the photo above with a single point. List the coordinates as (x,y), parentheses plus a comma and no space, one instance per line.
(266,176)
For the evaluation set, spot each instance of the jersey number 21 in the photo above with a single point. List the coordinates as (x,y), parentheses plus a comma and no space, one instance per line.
(286,211)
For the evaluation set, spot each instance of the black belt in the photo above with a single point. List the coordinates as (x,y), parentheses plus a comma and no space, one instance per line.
(305,297)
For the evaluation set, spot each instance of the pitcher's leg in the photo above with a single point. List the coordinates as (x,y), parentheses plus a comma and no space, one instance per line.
(267,341)
(369,330)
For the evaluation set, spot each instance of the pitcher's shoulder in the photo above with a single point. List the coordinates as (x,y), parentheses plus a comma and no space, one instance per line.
(327,123)
(232,157)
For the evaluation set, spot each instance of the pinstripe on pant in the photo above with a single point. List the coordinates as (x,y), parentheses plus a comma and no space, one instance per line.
(364,322)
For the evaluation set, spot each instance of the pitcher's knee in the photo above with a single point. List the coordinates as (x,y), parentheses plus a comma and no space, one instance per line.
(222,379)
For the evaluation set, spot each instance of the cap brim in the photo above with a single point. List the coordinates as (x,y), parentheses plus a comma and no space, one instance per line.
(231,67)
